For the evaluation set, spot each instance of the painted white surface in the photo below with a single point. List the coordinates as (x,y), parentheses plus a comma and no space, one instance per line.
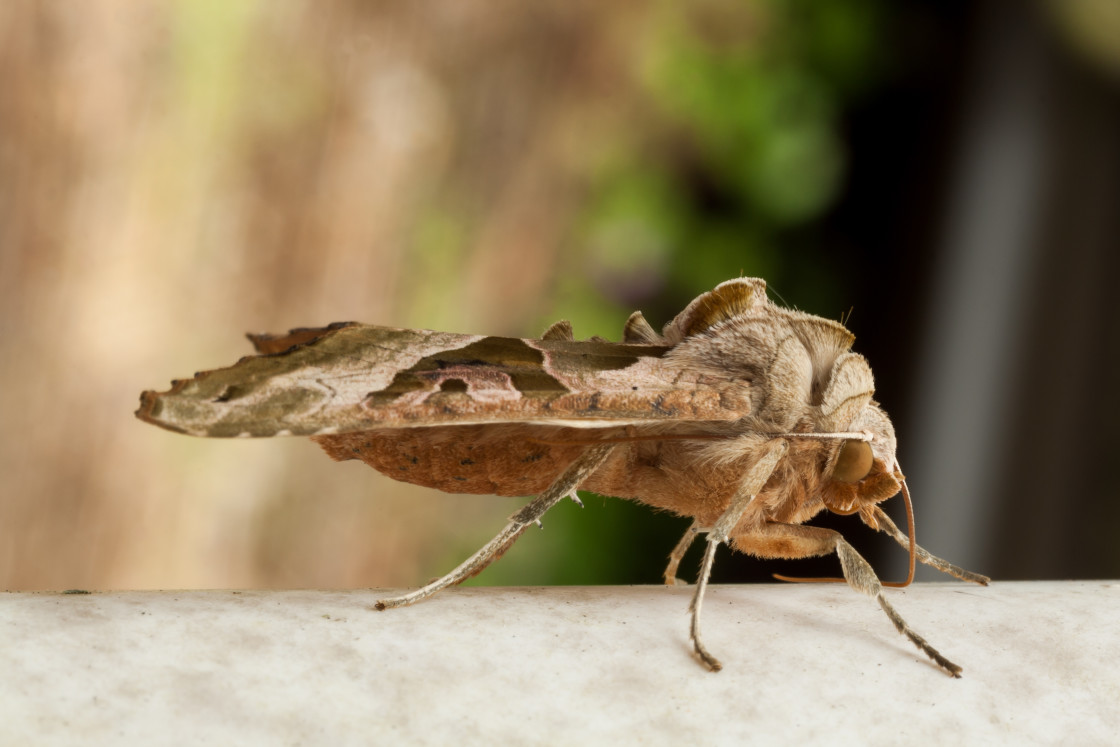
(803,663)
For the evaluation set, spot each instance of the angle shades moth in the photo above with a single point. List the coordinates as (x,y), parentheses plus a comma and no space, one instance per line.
(747,417)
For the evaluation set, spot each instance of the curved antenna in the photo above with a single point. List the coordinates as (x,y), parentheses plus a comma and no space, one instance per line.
(629,439)
(909,532)
(846,435)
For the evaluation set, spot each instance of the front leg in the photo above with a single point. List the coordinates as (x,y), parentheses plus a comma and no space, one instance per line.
(755,480)
(888,526)
(796,541)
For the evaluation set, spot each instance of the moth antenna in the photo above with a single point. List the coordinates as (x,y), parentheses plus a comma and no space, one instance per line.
(846,435)
(627,439)
(909,531)
(850,436)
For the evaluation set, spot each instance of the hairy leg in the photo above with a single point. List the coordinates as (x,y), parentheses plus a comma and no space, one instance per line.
(677,555)
(888,526)
(564,486)
(797,541)
(752,484)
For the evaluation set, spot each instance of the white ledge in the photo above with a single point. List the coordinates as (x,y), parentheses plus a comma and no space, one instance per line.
(561,665)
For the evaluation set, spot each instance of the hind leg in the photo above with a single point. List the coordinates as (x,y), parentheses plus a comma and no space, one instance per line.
(564,486)
(677,555)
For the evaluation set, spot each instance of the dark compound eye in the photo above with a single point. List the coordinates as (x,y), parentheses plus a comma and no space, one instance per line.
(854,462)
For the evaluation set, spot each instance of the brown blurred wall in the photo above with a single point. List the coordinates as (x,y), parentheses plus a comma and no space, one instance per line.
(175,174)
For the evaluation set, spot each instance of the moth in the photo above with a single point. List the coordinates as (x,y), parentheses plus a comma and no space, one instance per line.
(747,417)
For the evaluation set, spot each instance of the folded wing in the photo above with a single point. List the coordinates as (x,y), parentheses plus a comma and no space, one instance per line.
(352,377)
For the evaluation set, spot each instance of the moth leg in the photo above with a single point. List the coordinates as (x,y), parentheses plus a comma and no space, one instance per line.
(588,462)
(931,560)
(720,532)
(796,541)
(677,555)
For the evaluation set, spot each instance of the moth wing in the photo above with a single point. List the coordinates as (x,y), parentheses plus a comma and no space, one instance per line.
(267,344)
(354,377)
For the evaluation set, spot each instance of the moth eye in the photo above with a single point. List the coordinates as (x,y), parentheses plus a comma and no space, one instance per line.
(854,462)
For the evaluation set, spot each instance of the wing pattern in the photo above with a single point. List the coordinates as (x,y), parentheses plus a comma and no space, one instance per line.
(353,377)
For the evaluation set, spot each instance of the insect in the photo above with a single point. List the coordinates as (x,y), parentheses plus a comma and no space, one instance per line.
(745,416)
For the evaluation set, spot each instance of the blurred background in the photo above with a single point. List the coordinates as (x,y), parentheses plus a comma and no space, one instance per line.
(944,175)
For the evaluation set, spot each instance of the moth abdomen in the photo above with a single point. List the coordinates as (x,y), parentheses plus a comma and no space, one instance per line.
(498,460)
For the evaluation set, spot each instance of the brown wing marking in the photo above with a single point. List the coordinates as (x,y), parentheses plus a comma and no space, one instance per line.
(503,379)
(269,344)
(638,330)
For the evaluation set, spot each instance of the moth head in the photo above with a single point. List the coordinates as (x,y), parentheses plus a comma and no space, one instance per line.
(861,469)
